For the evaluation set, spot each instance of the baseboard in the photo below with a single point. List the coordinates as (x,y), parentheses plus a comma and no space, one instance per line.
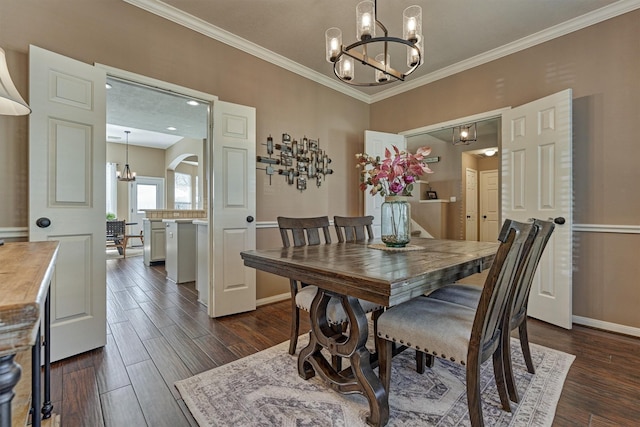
(272,299)
(606,326)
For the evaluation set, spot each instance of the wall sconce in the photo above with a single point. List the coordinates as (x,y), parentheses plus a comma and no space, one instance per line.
(465,134)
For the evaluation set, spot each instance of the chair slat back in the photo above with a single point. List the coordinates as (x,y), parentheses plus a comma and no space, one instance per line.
(353,228)
(116,228)
(521,297)
(304,231)
(516,240)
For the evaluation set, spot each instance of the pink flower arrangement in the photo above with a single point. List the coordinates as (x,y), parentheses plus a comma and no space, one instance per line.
(395,174)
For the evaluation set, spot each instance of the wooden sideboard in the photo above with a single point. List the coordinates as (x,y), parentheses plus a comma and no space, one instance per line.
(26,270)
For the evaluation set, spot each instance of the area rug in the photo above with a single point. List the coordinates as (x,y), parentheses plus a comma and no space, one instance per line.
(264,389)
(112,253)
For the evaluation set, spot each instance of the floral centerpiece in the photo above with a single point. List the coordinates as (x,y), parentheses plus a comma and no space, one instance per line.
(393,178)
(395,174)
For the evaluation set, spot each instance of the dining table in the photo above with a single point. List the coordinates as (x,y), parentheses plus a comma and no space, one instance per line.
(371,271)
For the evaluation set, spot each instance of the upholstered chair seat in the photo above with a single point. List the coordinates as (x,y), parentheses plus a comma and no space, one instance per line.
(443,330)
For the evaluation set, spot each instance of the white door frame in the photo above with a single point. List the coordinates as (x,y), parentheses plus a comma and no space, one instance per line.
(206,97)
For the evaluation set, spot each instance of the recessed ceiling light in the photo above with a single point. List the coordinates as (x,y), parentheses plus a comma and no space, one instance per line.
(192,102)
(172,128)
(108,85)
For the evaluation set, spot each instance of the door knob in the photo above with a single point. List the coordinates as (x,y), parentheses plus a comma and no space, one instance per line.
(249,218)
(559,220)
(43,222)
(484,217)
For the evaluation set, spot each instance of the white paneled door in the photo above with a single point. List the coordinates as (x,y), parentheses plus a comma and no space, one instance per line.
(233,230)
(374,145)
(537,183)
(489,206)
(67,152)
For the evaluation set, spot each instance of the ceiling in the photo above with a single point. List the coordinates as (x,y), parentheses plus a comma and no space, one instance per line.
(459,34)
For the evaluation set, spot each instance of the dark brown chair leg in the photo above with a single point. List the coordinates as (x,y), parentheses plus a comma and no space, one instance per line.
(499,374)
(420,362)
(524,344)
(508,369)
(295,325)
(473,394)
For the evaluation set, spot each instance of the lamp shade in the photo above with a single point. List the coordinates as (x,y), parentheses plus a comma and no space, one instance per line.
(11,103)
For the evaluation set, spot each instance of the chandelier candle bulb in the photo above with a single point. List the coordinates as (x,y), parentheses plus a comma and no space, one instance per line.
(346,68)
(334,43)
(380,76)
(412,23)
(365,19)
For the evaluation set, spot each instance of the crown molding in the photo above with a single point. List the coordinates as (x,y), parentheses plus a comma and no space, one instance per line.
(567,27)
(179,17)
(159,8)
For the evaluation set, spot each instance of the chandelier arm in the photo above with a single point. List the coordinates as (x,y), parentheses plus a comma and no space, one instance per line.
(366,60)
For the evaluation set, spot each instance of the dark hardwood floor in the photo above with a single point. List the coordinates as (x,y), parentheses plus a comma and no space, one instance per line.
(158,333)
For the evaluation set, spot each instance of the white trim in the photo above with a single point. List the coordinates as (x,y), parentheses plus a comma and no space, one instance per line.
(155,83)
(450,123)
(159,8)
(13,232)
(272,299)
(606,228)
(607,326)
(266,224)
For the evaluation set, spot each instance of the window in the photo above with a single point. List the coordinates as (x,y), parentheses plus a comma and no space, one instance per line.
(112,191)
(182,191)
(146,196)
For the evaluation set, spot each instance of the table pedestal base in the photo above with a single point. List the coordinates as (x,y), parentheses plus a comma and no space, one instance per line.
(359,377)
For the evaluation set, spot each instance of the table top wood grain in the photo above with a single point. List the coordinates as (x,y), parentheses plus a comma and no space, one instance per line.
(380,276)
(26,269)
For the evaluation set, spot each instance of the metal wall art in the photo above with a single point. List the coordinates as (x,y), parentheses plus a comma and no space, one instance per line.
(300,160)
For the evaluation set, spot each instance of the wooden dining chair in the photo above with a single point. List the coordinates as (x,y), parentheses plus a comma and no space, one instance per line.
(469,296)
(353,228)
(304,232)
(456,333)
(117,236)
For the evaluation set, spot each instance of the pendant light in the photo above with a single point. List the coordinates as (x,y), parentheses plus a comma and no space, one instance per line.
(126,174)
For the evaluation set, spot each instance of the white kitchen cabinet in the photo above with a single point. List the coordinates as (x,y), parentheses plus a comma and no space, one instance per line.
(154,247)
(180,260)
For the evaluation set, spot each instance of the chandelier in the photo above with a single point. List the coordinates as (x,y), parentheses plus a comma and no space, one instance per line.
(465,134)
(126,174)
(373,51)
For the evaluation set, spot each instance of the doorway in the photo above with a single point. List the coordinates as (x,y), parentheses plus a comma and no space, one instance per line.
(452,163)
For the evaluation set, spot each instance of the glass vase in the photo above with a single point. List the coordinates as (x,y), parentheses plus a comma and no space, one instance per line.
(396,221)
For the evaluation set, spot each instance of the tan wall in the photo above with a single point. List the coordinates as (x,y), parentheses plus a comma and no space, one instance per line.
(119,35)
(600,63)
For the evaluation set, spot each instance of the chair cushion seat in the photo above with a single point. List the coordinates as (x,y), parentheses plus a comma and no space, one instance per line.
(436,327)
(467,295)
(335,312)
